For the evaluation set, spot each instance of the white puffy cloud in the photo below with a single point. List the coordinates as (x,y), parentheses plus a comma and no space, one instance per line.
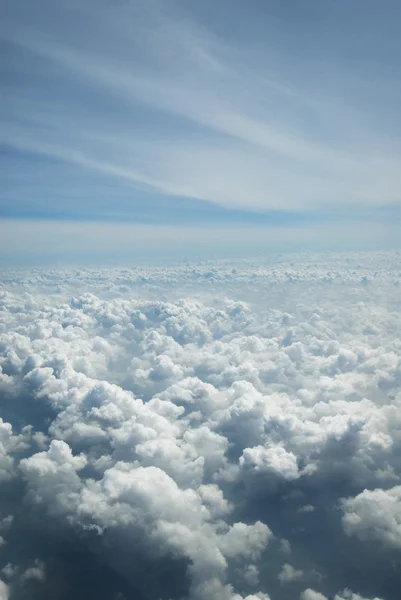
(213,417)
(52,475)
(348,595)
(375,515)
(310,594)
(274,460)
(288,574)
(4,591)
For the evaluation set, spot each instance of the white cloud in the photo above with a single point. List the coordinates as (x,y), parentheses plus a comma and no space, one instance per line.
(271,460)
(288,574)
(234,149)
(348,595)
(219,431)
(375,515)
(310,594)
(4,595)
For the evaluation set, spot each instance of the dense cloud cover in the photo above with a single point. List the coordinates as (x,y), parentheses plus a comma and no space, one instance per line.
(212,431)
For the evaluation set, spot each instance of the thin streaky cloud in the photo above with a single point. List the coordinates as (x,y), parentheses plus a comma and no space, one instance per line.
(152,96)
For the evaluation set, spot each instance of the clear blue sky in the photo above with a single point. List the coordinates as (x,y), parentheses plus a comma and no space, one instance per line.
(187,114)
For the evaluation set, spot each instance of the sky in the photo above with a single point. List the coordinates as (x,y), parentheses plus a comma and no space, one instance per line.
(275,121)
(200,309)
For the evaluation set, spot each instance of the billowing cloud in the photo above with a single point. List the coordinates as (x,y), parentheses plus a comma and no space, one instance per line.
(202,432)
(375,515)
(312,595)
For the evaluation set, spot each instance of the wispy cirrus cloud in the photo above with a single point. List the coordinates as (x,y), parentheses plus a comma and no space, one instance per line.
(148,95)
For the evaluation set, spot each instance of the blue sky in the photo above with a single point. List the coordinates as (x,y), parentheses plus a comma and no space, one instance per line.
(188,114)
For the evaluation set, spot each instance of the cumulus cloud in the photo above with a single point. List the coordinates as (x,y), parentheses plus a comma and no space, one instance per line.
(225,431)
(288,574)
(375,515)
(3,591)
(312,595)
(348,595)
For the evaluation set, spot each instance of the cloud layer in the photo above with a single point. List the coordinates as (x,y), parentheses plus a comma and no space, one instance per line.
(207,432)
